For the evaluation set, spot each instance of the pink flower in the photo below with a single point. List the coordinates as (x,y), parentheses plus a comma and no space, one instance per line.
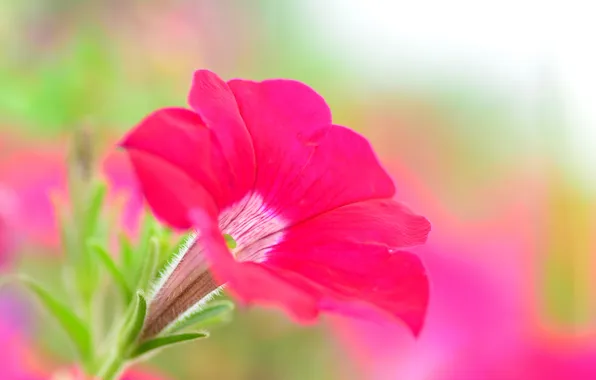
(131,374)
(30,175)
(122,183)
(140,375)
(476,329)
(7,215)
(28,178)
(481,321)
(17,360)
(306,201)
(470,324)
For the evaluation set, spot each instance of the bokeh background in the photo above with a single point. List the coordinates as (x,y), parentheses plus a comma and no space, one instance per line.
(482,111)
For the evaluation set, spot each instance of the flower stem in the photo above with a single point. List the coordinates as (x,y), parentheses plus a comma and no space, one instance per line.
(113,367)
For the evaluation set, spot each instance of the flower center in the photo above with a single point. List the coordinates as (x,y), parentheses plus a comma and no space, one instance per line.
(230,241)
(251,228)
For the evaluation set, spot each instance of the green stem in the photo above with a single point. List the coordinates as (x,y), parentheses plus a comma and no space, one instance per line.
(113,367)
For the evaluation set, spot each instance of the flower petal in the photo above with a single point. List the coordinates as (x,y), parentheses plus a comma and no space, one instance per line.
(380,221)
(287,120)
(394,282)
(305,164)
(559,360)
(179,137)
(169,191)
(336,262)
(351,253)
(211,98)
(341,169)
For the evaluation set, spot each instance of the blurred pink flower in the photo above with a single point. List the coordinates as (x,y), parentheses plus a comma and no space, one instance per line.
(32,174)
(131,374)
(482,321)
(7,233)
(475,330)
(17,360)
(307,202)
(15,357)
(123,182)
(134,374)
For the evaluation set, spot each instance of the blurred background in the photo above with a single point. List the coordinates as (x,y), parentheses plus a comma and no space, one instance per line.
(484,112)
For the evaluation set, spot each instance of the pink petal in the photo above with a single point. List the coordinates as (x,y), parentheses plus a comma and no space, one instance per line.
(352,253)
(305,165)
(169,191)
(335,262)
(348,275)
(211,98)
(7,216)
(560,360)
(180,138)
(380,221)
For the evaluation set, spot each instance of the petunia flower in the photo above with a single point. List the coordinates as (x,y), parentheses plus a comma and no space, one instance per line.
(304,205)
(29,176)
(482,321)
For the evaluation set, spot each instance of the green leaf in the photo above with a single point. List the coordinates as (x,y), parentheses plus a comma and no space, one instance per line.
(213,313)
(152,228)
(134,322)
(108,262)
(165,341)
(149,228)
(75,328)
(126,252)
(93,211)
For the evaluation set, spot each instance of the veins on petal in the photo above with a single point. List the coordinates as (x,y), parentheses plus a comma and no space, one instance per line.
(254,227)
